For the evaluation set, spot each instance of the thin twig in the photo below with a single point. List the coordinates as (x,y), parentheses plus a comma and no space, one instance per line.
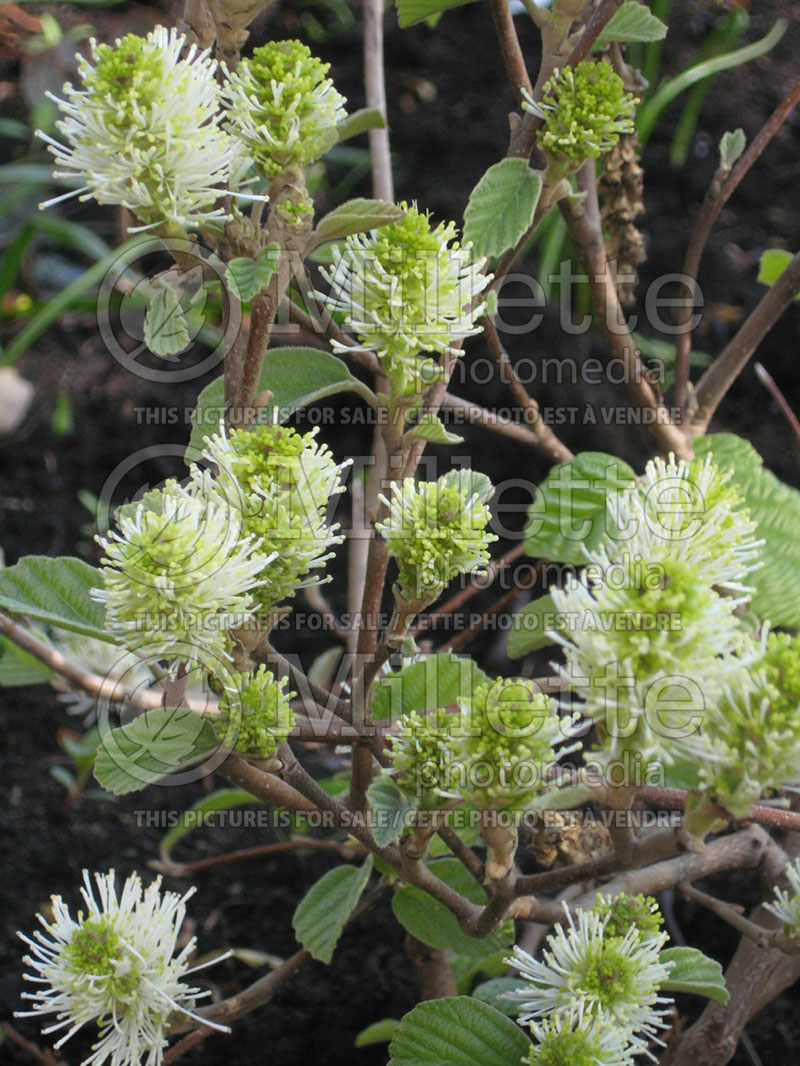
(186,869)
(375,82)
(769,383)
(510,47)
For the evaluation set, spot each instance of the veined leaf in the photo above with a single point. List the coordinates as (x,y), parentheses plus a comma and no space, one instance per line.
(457,1031)
(731,147)
(246,276)
(527,631)
(501,206)
(432,682)
(633,22)
(357,216)
(431,429)
(411,11)
(19,668)
(165,330)
(696,973)
(389,809)
(321,915)
(55,591)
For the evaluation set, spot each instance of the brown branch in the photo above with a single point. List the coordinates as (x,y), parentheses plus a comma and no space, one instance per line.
(475,415)
(432,968)
(263,786)
(720,192)
(375,82)
(675,799)
(510,48)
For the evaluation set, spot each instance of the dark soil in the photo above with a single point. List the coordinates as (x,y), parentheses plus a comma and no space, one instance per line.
(448,105)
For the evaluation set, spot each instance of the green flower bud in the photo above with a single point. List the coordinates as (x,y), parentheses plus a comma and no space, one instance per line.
(786,905)
(258,711)
(623,911)
(421,758)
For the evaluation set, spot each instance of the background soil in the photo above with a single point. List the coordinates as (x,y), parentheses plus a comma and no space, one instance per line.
(448,103)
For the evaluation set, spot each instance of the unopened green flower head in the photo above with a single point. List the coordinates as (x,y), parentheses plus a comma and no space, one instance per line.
(256,712)
(281,483)
(557,1042)
(282,106)
(786,905)
(116,966)
(751,736)
(623,911)
(648,646)
(591,978)
(144,131)
(437,529)
(691,511)
(407,288)
(506,746)
(421,758)
(585,109)
(179,572)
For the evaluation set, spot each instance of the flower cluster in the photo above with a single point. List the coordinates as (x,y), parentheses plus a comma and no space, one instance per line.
(116,966)
(282,107)
(144,131)
(436,530)
(280,483)
(584,111)
(750,743)
(407,288)
(422,758)
(786,905)
(597,987)
(623,911)
(256,713)
(652,641)
(178,574)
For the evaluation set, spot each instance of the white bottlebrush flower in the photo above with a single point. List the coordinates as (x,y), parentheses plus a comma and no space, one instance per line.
(437,529)
(593,978)
(144,131)
(648,646)
(282,107)
(116,965)
(281,483)
(407,288)
(690,511)
(558,1042)
(786,906)
(178,575)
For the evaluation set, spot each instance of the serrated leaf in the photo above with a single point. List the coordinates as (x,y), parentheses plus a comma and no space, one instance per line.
(432,682)
(390,809)
(501,207)
(493,991)
(527,632)
(772,264)
(378,1033)
(357,216)
(154,745)
(321,915)
(55,591)
(569,512)
(295,377)
(695,973)
(165,329)
(19,668)
(775,506)
(431,429)
(366,118)
(411,11)
(731,147)
(246,277)
(459,1031)
(433,924)
(633,22)
(224,799)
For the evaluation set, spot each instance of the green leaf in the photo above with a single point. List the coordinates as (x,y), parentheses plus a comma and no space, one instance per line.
(432,923)
(695,973)
(569,512)
(19,668)
(411,11)
(432,682)
(772,264)
(321,915)
(295,377)
(431,429)
(633,22)
(501,207)
(224,799)
(389,810)
(246,276)
(55,591)
(165,330)
(493,990)
(356,216)
(366,118)
(731,147)
(776,508)
(466,968)
(458,1031)
(527,627)
(378,1033)
(152,746)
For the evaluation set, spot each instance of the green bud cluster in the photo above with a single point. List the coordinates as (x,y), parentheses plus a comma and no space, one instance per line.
(623,911)
(256,713)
